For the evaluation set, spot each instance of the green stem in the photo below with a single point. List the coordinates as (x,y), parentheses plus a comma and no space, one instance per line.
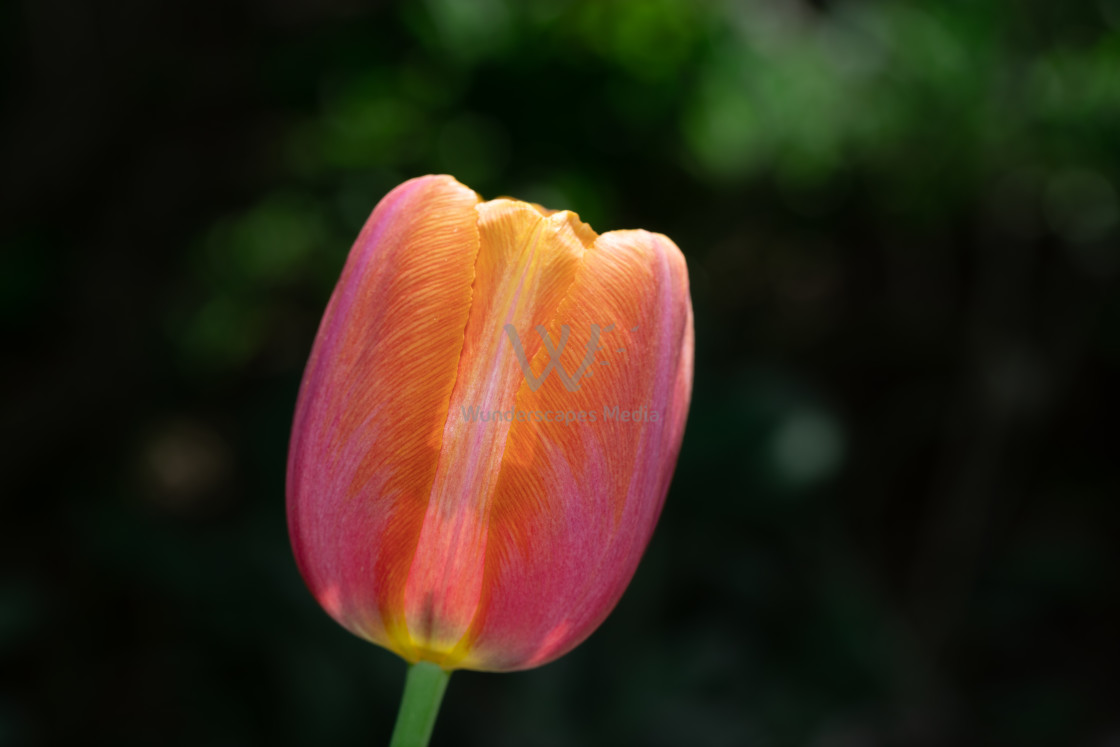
(423,691)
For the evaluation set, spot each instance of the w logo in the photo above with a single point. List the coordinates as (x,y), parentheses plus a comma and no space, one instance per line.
(571,381)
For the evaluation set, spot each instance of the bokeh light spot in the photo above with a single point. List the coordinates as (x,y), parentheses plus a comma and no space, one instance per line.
(807,447)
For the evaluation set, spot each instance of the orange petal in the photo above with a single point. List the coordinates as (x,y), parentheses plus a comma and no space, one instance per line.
(525,265)
(374,402)
(576,502)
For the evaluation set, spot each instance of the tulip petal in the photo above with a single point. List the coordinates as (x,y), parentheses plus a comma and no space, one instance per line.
(575,503)
(526,263)
(374,400)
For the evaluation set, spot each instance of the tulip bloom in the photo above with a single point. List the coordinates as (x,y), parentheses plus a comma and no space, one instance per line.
(487,426)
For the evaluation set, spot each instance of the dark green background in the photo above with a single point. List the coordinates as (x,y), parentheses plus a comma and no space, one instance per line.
(894,520)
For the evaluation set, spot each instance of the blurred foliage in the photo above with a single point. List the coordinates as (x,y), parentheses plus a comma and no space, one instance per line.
(894,517)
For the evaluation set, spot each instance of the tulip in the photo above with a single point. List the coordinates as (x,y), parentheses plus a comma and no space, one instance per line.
(487,426)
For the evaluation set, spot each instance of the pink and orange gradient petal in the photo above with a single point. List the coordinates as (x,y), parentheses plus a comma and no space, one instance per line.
(526,263)
(576,503)
(369,422)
